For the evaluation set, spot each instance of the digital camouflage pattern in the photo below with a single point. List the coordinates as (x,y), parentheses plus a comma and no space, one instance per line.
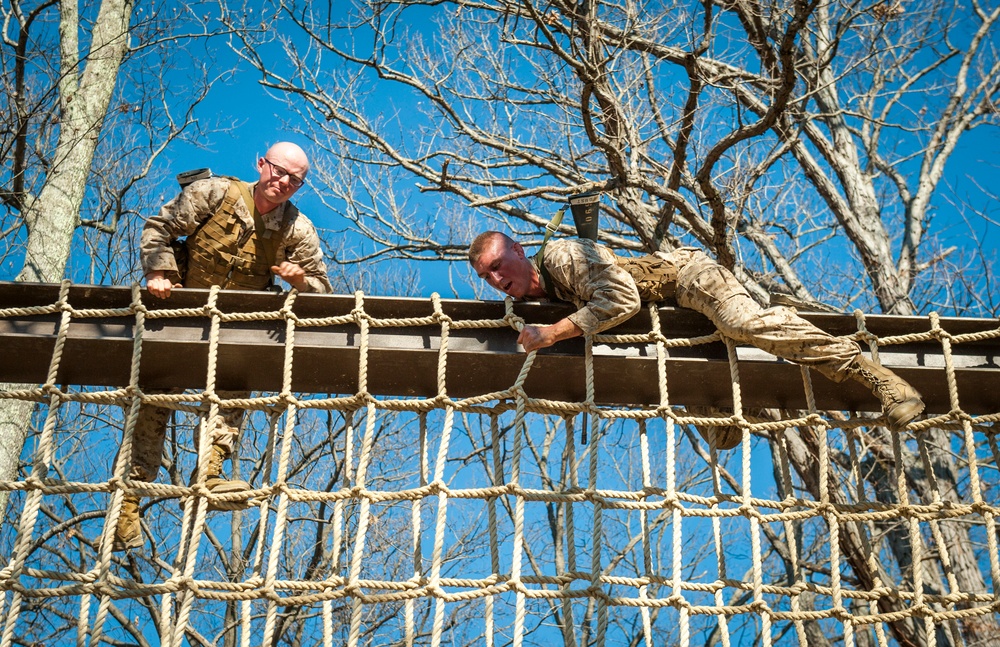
(604,289)
(298,241)
(151,426)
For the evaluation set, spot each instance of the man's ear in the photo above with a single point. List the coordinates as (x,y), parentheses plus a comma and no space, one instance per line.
(518,250)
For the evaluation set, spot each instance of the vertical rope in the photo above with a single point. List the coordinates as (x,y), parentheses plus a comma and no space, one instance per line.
(647,551)
(939,541)
(746,507)
(83,620)
(199,505)
(257,568)
(439,474)
(656,333)
(571,477)
(491,510)
(789,525)
(515,485)
(360,539)
(121,465)
(519,427)
(39,468)
(866,530)
(327,610)
(280,485)
(597,531)
(415,509)
(873,557)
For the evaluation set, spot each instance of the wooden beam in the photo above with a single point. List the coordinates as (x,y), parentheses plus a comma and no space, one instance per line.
(403,359)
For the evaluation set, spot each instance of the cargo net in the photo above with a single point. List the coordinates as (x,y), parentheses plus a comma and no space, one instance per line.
(498,519)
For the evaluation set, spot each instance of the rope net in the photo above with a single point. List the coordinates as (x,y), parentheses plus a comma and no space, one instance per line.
(497,519)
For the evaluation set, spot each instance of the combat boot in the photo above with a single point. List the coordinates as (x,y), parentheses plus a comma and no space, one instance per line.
(901,402)
(726,437)
(217,483)
(128,532)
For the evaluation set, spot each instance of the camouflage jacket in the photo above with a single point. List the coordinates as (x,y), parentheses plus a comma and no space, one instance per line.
(587,275)
(198,201)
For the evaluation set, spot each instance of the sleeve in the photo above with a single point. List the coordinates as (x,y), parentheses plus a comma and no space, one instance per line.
(302,247)
(587,275)
(177,218)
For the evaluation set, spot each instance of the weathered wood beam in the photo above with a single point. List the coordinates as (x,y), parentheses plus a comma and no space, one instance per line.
(403,360)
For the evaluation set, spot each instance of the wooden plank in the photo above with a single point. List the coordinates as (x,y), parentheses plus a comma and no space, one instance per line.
(403,359)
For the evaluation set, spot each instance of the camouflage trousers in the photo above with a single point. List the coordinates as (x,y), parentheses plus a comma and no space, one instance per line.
(151,430)
(707,287)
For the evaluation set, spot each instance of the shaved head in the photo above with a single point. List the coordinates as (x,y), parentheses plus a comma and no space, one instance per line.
(483,240)
(290,156)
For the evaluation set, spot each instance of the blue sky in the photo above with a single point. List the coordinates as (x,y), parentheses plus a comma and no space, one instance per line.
(263,120)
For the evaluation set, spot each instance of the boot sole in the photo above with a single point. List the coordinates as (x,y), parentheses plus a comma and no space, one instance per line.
(725,437)
(228,506)
(121,545)
(903,414)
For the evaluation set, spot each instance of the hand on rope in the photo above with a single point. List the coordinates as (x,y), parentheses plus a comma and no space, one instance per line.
(535,337)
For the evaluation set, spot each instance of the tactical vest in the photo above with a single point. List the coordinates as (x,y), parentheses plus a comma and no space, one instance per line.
(655,277)
(225,252)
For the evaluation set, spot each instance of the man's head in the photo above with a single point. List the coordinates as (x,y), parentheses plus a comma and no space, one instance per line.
(501,262)
(282,171)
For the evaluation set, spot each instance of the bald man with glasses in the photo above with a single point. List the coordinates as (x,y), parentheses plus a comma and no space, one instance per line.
(239,236)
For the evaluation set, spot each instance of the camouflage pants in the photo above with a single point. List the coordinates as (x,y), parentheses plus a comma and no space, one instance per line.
(151,430)
(707,287)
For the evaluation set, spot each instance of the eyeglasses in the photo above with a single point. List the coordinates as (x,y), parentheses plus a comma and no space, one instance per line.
(280,172)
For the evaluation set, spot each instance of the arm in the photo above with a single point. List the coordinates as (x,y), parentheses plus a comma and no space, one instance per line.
(587,275)
(177,218)
(300,263)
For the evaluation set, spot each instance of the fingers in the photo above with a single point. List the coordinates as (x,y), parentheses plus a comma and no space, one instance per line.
(289,271)
(159,287)
(292,273)
(531,338)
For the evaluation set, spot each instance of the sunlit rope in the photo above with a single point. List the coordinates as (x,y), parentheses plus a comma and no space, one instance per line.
(657,504)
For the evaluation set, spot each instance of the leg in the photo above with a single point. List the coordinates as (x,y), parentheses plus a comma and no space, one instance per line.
(147,454)
(709,288)
(224,433)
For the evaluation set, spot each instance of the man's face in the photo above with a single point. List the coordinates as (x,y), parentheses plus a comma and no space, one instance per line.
(504,266)
(280,176)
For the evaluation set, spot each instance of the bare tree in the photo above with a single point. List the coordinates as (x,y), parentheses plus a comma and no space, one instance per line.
(83,124)
(842,122)
(784,137)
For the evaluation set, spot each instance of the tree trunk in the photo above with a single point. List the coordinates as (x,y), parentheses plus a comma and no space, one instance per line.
(52,217)
(984,630)
(802,453)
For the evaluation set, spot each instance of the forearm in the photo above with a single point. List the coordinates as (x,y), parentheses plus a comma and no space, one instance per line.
(304,250)
(155,251)
(318,284)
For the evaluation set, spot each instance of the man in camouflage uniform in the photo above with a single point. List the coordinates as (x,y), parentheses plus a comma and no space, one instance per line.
(608,289)
(238,236)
